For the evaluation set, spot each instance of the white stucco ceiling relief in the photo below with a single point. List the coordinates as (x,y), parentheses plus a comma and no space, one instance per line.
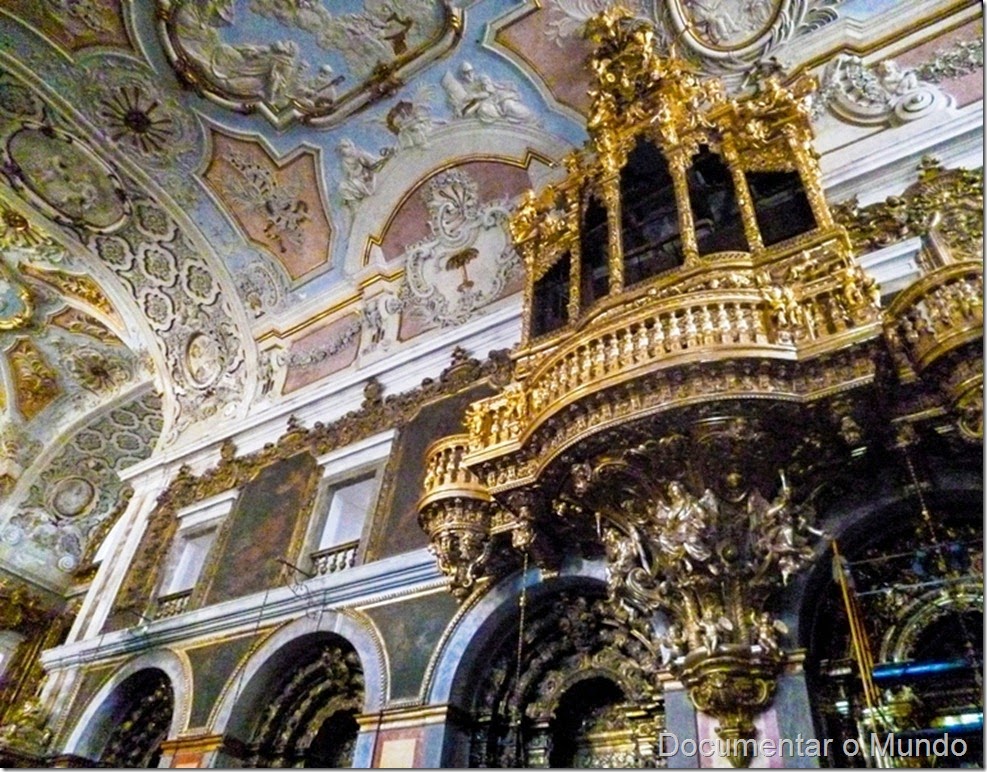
(63,507)
(126,230)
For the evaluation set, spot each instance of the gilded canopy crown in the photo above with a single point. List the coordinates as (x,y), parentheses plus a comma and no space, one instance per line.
(633,80)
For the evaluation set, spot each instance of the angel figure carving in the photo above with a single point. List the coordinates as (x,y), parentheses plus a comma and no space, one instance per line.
(711,626)
(478,96)
(781,542)
(766,631)
(685,528)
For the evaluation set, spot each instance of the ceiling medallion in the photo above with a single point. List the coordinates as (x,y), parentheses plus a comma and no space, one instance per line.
(203,359)
(313,62)
(72,496)
(65,178)
(137,119)
(725,25)
(730,36)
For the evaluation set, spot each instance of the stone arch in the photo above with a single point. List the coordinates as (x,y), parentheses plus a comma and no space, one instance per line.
(533,712)
(489,610)
(918,595)
(449,145)
(84,739)
(244,690)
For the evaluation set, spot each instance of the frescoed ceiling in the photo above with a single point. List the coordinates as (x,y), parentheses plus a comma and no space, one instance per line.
(208,205)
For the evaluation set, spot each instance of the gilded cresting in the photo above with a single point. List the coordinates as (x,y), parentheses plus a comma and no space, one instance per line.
(700,350)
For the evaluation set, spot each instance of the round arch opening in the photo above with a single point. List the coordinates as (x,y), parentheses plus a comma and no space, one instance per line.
(895,649)
(299,709)
(134,720)
(580,696)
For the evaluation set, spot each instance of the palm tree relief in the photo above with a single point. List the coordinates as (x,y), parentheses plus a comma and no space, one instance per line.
(460,260)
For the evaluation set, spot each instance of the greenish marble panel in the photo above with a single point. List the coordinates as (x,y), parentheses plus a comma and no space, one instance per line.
(212,667)
(395,528)
(411,631)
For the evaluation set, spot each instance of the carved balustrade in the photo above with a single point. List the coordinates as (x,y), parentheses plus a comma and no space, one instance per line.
(335,559)
(938,313)
(172,605)
(446,476)
(675,408)
(707,325)
(455,511)
(938,324)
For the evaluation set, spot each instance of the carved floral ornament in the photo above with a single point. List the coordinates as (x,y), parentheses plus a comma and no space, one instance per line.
(948,202)
(725,37)
(320,65)
(53,167)
(680,427)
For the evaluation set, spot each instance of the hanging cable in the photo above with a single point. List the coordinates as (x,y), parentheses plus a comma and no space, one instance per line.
(926,514)
(859,642)
(948,575)
(516,708)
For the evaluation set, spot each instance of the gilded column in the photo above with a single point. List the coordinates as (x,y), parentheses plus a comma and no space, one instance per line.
(678,163)
(743,193)
(811,175)
(610,187)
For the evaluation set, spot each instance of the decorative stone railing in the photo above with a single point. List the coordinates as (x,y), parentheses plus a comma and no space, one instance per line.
(335,559)
(446,476)
(456,512)
(172,605)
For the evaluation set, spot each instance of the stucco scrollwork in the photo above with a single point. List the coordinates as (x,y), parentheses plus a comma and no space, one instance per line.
(173,286)
(452,274)
(726,38)
(876,94)
(318,66)
(80,487)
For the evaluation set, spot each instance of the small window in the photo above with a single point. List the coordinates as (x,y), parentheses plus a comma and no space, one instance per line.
(9,641)
(350,503)
(193,549)
(594,269)
(348,510)
(198,525)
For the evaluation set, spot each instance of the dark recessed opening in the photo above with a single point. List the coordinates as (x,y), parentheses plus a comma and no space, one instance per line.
(649,219)
(594,269)
(715,212)
(780,205)
(550,298)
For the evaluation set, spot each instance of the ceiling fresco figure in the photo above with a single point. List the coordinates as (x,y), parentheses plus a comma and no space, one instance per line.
(323,65)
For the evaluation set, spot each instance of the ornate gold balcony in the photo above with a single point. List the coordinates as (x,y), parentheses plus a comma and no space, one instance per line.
(699,347)
(456,513)
(937,324)
(938,314)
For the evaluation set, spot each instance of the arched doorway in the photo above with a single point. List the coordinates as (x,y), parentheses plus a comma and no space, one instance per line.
(300,708)
(136,719)
(914,593)
(582,695)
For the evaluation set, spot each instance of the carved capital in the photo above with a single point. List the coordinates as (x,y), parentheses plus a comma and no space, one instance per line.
(733,686)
